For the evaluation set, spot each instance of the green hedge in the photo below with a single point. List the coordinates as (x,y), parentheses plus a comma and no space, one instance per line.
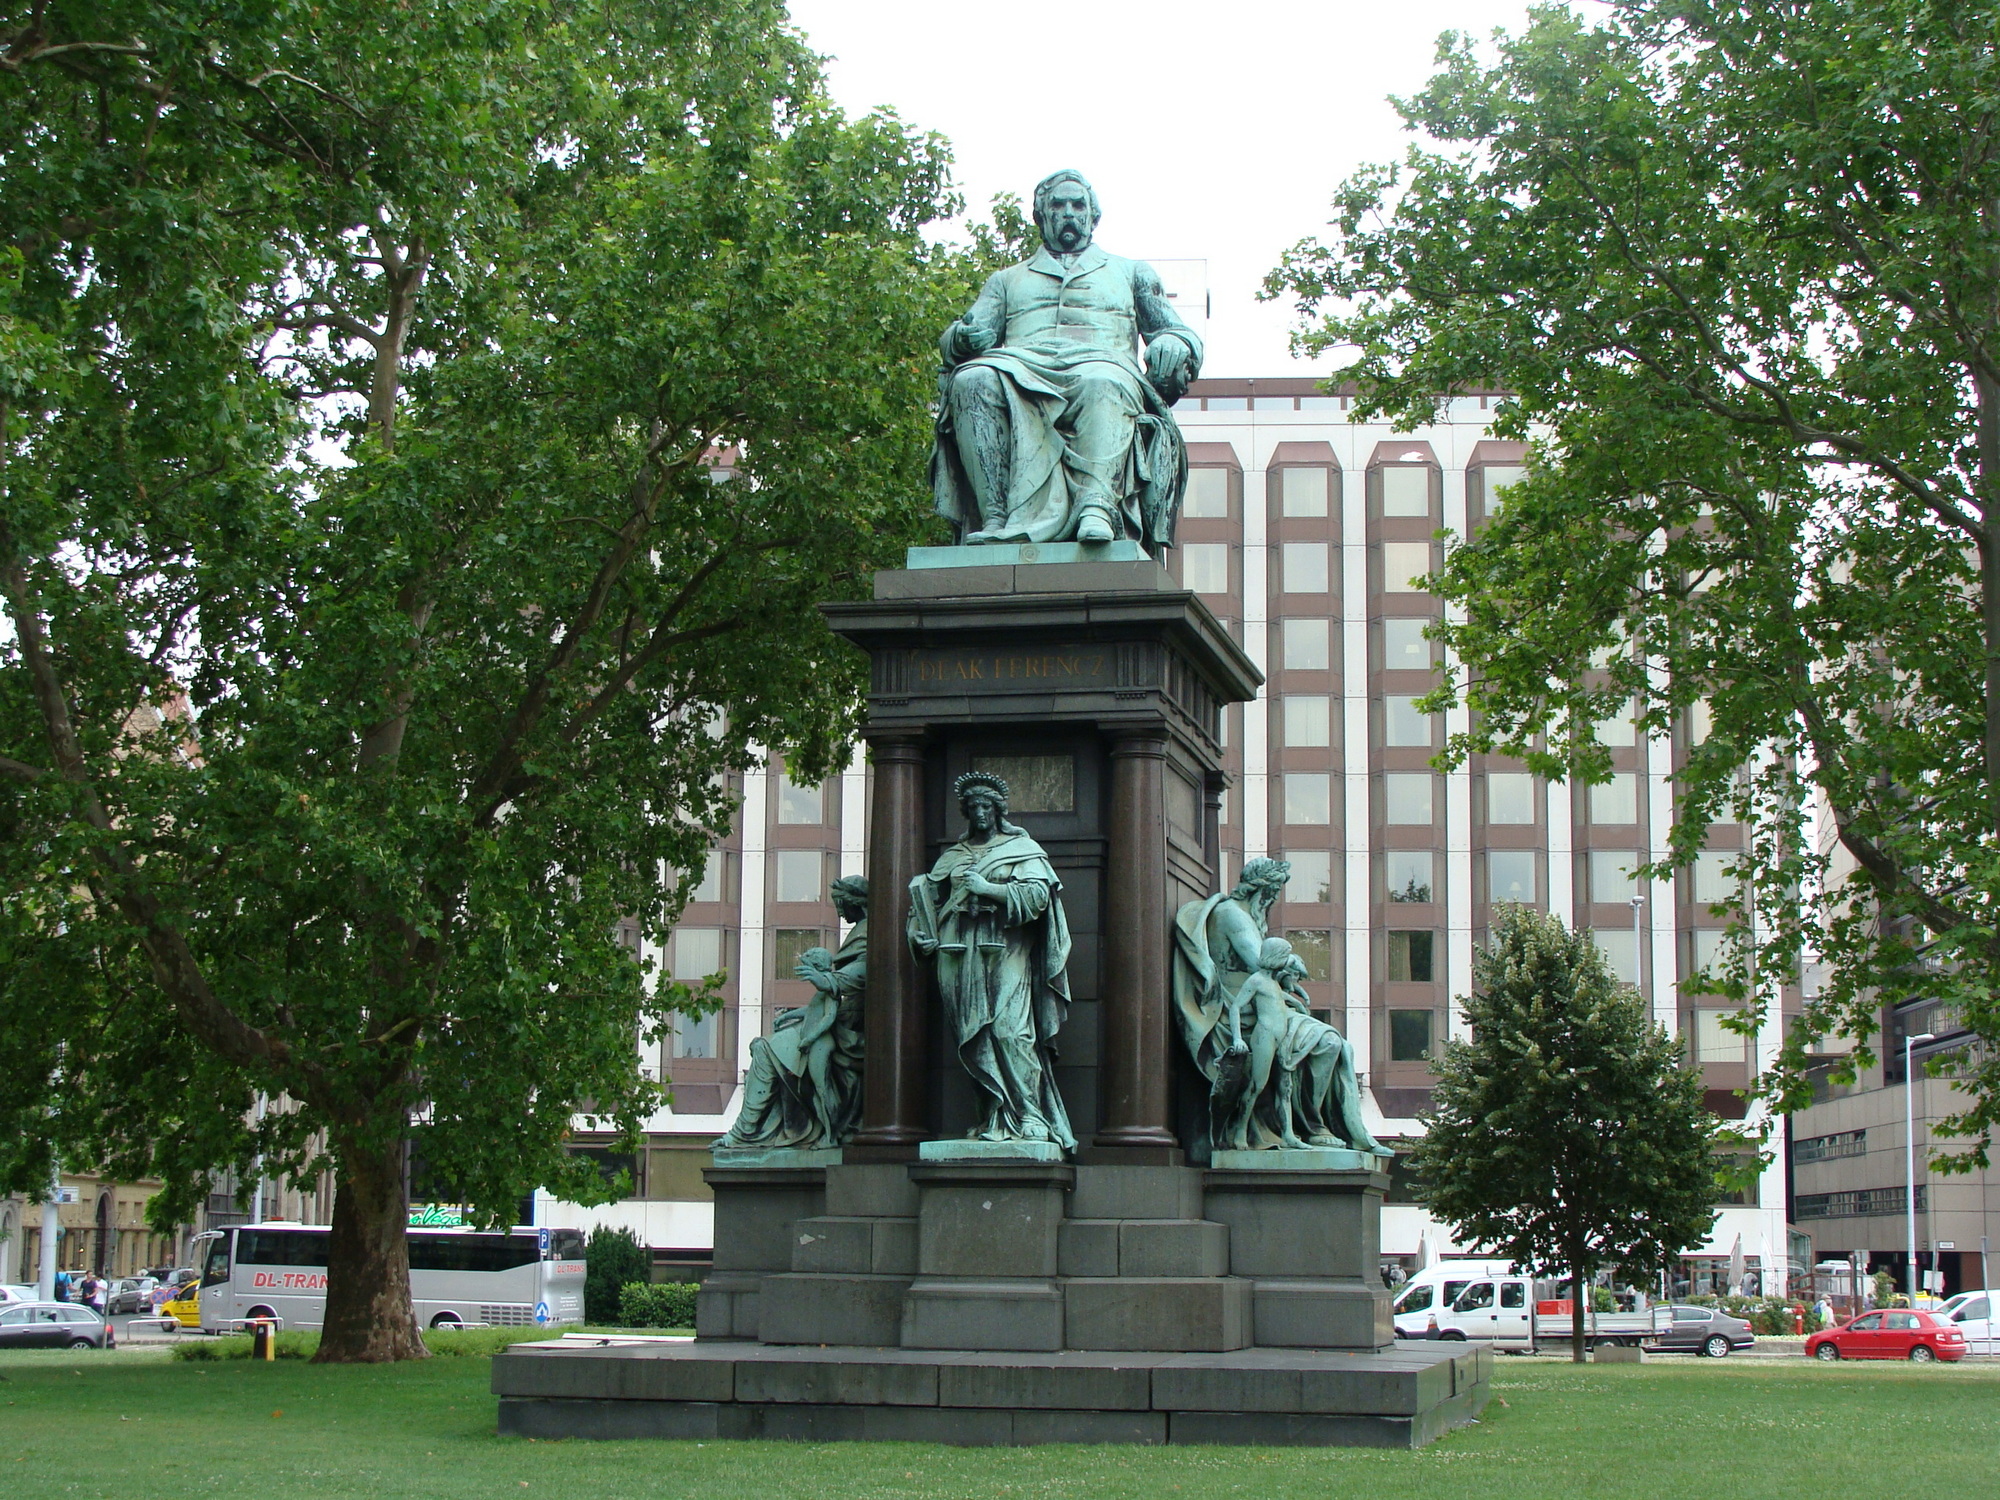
(669,1304)
(612,1259)
(440,1341)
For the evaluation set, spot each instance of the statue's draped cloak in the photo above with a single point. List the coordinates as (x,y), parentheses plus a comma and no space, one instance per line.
(780,1107)
(1002,969)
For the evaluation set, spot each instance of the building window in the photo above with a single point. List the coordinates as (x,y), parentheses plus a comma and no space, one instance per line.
(1410,957)
(1409,1035)
(1404,648)
(1307,645)
(1226,403)
(1510,797)
(1312,875)
(1714,1042)
(1403,723)
(1705,946)
(1831,1147)
(1304,492)
(1406,490)
(697,953)
(1314,946)
(1205,567)
(1207,497)
(1620,947)
(1497,479)
(708,886)
(1511,876)
(1407,873)
(1308,797)
(1407,797)
(1715,883)
(1617,800)
(1403,565)
(1618,730)
(1308,721)
(694,954)
(800,875)
(799,804)
(1701,721)
(1306,568)
(787,944)
(1611,877)
(1035,783)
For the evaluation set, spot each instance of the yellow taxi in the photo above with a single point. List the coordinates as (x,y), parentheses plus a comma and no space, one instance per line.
(184,1305)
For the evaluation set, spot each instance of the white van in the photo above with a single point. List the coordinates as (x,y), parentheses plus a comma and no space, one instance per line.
(1431,1292)
(1972,1314)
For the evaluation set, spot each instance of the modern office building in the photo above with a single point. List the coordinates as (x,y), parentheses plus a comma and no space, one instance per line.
(1303,532)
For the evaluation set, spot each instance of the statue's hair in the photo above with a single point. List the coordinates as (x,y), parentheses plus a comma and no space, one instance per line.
(1274,954)
(992,788)
(852,888)
(984,783)
(1047,186)
(1263,875)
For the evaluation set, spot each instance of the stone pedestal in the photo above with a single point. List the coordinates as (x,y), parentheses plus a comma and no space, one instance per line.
(756,1209)
(1310,1242)
(987,1236)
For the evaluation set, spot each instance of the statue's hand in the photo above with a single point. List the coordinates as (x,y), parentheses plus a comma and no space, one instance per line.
(975,338)
(1167,361)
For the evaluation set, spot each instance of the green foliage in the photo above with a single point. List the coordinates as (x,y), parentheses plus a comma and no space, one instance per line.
(613,1259)
(666,1304)
(446,1342)
(1567,1134)
(377,639)
(1734,262)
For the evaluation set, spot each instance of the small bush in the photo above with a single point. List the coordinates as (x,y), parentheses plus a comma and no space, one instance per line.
(670,1304)
(443,1342)
(613,1259)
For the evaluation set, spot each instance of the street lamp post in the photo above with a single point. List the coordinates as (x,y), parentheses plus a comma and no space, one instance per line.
(1910,1152)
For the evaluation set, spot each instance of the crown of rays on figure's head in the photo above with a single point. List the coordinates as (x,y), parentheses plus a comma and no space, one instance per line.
(983,785)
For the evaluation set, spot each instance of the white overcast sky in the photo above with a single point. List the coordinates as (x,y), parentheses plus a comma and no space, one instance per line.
(1214,130)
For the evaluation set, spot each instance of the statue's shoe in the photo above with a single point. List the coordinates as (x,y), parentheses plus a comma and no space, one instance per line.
(1093,528)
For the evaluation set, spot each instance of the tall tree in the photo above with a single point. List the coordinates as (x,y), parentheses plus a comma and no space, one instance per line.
(1567,1133)
(380,635)
(1739,263)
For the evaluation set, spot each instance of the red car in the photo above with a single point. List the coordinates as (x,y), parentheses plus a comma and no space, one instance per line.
(1890,1334)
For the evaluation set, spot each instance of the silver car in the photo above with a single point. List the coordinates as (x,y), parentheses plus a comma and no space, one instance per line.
(53,1325)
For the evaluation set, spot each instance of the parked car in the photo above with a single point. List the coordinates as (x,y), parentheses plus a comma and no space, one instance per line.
(1702,1330)
(184,1305)
(17,1291)
(1890,1333)
(131,1294)
(1972,1312)
(53,1325)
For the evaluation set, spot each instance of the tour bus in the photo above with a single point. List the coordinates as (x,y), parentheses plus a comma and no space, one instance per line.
(519,1277)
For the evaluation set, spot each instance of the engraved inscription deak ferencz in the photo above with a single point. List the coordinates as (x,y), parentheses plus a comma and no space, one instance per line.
(1056,666)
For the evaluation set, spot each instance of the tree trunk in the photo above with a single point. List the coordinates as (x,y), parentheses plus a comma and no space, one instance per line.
(1580,1287)
(369,1319)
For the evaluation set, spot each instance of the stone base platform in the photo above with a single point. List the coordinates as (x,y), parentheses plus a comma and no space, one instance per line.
(1402,1397)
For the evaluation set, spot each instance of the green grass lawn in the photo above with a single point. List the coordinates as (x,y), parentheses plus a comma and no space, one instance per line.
(136,1424)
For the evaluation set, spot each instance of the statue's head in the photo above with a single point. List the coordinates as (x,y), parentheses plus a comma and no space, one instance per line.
(1261,881)
(850,897)
(1066,211)
(982,797)
(1275,956)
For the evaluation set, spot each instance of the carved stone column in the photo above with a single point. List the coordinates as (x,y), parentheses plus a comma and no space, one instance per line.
(1133,1060)
(892,1089)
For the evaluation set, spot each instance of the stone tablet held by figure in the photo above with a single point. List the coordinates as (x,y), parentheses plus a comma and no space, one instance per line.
(1049,429)
(989,915)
